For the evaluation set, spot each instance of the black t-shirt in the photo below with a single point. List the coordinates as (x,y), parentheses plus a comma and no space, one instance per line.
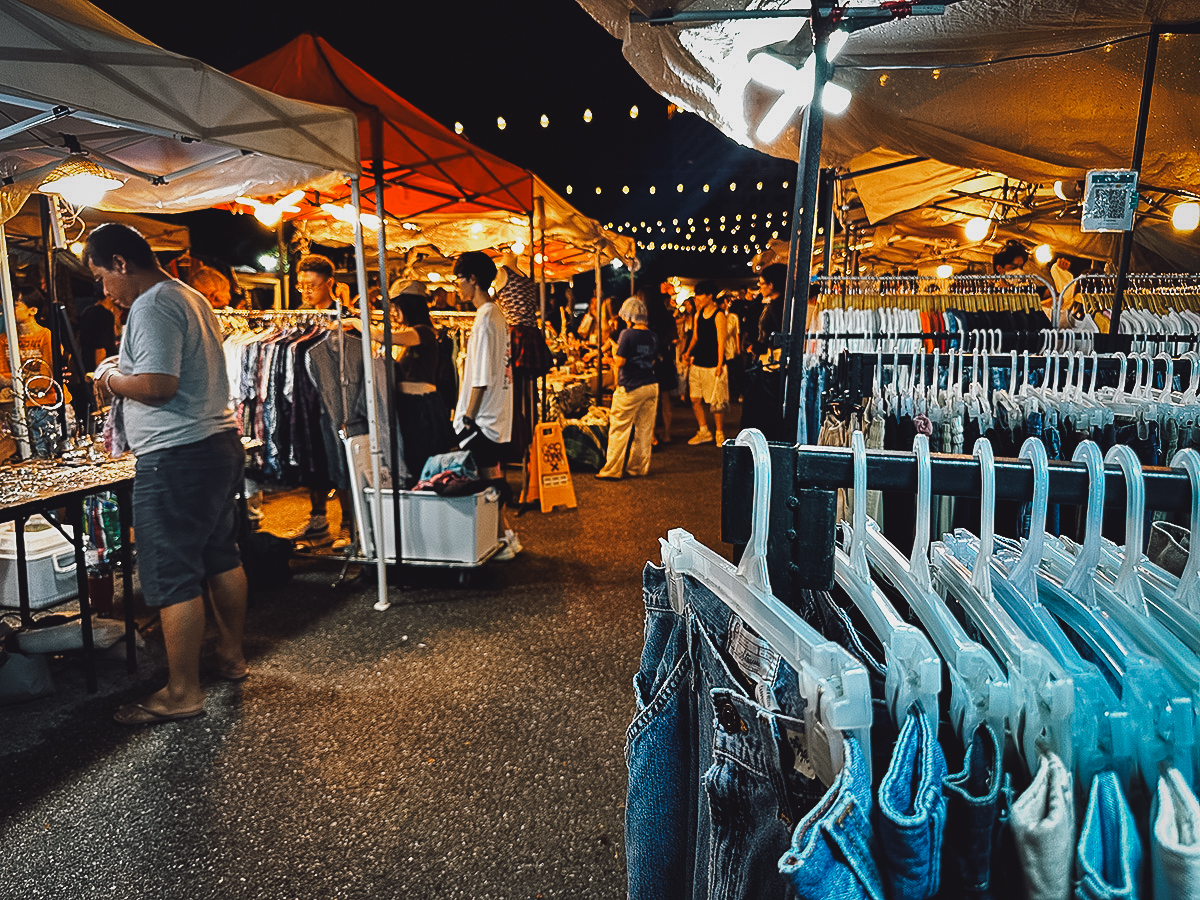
(637,347)
(97,332)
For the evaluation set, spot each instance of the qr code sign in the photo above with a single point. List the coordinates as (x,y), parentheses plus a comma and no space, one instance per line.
(1110,200)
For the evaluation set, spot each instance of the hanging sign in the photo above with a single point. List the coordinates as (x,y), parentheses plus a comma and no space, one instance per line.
(1110,199)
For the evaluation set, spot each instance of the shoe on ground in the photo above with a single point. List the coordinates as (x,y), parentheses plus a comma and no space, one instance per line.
(720,438)
(317,528)
(512,546)
(343,541)
(701,437)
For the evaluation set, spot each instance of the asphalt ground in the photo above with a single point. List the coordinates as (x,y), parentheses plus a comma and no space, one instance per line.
(467,743)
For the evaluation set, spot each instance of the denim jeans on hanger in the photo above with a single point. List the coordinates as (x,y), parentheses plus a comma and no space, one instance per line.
(911,816)
(833,852)
(1043,824)
(976,805)
(1175,839)
(739,838)
(660,750)
(1108,861)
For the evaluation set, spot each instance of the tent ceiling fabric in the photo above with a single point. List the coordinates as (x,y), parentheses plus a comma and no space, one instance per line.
(185,135)
(1038,118)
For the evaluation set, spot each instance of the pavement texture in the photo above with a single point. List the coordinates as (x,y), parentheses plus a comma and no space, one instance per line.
(466,743)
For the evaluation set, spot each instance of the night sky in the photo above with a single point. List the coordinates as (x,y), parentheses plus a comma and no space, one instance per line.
(472,62)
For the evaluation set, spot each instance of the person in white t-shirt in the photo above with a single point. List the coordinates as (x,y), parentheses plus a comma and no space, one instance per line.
(484,415)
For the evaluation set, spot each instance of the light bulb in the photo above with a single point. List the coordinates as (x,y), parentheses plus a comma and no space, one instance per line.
(435,276)
(633,112)
(518,247)
(545,120)
(269,262)
(587,115)
(500,123)
(458,127)
(1043,254)
(945,270)
(977,228)
(77,248)
(836,99)
(269,215)
(1186,216)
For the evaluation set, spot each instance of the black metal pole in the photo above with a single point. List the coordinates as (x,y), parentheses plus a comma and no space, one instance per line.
(828,210)
(1139,146)
(389,367)
(800,255)
(55,362)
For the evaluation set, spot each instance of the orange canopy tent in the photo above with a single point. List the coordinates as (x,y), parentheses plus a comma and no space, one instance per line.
(426,167)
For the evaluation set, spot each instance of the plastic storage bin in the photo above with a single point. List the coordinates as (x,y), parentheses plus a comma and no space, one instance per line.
(49,563)
(438,530)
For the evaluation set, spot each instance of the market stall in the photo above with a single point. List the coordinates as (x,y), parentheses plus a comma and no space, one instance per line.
(166,133)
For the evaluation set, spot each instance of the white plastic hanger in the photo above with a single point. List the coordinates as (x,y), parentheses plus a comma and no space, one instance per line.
(979,688)
(914,670)
(1043,697)
(833,683)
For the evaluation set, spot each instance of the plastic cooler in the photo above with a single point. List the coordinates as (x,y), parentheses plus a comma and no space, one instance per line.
(49,563)
(436,529)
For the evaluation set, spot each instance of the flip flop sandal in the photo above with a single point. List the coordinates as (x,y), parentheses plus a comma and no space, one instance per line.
(228,675)
(136,714)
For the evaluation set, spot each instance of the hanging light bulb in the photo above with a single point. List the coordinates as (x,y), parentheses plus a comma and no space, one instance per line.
(500,123)
(458,127)
(1043,254)
(977,228)
(570,189)
(518,247)
(545,120)
(652,189)
(587,115)
(625,189)
(679,188)
(633,112)
(945,270)
(435,276)
(80,181)
(1186,216)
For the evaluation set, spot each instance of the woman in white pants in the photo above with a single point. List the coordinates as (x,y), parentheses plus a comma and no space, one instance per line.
(635,400)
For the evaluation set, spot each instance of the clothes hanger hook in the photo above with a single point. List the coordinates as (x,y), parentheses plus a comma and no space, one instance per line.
(858,529)
(1128,585)
(981,575)
(753,565)
(918,561)
(1081,581)
(1188,592)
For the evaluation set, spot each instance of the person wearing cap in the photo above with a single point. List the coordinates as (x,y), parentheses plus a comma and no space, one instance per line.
(635,400)
(421,415)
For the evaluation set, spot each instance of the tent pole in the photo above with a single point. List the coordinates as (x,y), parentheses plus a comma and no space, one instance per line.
(364,312)
(800,254)
(829,211)
(599,329)
(388,368)
(21,431)
(539,204)
(1139,146)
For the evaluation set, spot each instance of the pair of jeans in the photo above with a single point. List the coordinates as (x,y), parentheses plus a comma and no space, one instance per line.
(911,815)
(976,802)
(1108,860)
(833,852)
(659,751)
(1043,823)
(1175,839)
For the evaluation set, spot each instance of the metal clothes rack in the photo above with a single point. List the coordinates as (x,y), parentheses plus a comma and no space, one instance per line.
(971,293)
(805,480)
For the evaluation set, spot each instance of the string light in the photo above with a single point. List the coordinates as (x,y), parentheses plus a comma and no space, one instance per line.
(1043,254)
(570,189)
(633,112)
(458,127)
(706,189)
(545,120)
(733,185)
(625,189)
(679,188)
(587,115)
(1186,216)
(652,189)
(500,123)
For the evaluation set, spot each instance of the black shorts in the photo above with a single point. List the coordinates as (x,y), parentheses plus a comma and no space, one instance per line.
(486,452)
(185,516)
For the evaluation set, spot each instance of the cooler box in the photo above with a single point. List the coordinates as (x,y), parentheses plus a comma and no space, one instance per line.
(49,563)
(436,529)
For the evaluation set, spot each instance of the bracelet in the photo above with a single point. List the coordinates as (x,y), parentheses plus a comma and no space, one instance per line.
(108,381)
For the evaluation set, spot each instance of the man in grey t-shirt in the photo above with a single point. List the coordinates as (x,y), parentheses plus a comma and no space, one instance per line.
(174,392)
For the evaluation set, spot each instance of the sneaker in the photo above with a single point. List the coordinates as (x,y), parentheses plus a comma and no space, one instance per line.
(317,528)
(512,546)
(343,542)
(703,436)
(720,438)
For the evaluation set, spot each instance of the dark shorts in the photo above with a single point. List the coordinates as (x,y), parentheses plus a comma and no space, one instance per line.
(486,452)
(185,516)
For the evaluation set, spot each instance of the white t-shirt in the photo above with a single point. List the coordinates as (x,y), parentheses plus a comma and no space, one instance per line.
(487,366)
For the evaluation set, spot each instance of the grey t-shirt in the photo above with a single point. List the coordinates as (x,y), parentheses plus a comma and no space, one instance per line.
(172,331)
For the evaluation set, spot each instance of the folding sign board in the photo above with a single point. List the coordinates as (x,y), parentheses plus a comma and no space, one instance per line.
(1110,199)
(549,469)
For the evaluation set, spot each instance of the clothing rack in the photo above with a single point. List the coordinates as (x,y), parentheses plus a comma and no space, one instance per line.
(275,316)
(805,480)
(971,293)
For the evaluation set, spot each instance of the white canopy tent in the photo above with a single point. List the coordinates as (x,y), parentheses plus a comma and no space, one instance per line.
(1035,91)
(181,135)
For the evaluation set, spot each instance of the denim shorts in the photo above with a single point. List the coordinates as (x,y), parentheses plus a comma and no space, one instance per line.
(185,516)
(1108,861)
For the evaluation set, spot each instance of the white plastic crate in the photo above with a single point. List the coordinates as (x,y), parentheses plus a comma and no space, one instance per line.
(436,529)
(49,563)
